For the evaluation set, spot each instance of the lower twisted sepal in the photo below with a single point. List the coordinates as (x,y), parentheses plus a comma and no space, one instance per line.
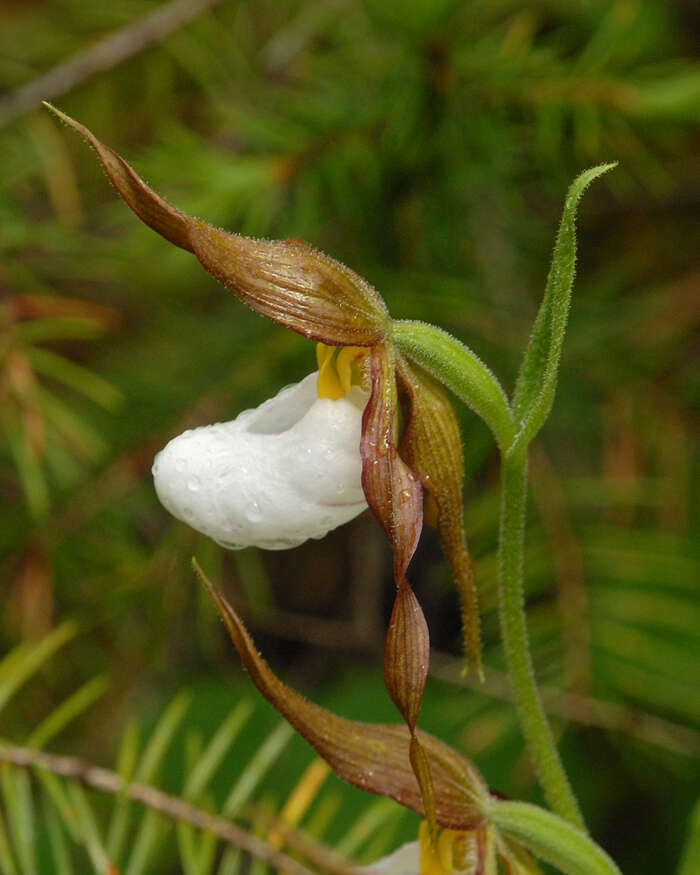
(373,756)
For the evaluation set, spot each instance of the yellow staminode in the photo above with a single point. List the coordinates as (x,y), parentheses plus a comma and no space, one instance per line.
(436,858)
(335,372)
(455,852)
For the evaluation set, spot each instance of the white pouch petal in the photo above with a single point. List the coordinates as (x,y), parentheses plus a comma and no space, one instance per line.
(404,861)
(273,477)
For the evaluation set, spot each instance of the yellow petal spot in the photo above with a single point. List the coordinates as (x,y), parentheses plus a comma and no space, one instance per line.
(336,374)
(438,858)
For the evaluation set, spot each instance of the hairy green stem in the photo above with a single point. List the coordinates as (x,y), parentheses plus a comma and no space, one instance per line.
(551,838)
(537,733)
(461,370)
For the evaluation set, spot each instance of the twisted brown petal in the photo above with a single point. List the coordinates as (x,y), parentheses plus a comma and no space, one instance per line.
(395,496)
(406,658)
(391,488)
(406,654)
(421,769)
(372,756)
(432,446)
(286,280)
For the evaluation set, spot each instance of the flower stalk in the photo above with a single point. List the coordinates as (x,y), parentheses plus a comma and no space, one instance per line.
(533,720)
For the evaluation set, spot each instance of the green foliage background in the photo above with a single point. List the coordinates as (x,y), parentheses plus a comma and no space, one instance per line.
(429,146)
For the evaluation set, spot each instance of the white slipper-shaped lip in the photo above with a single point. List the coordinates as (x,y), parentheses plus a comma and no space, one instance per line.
(273,477)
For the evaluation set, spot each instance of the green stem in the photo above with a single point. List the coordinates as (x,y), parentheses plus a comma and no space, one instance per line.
(463,372)
(551,838)
(517,648)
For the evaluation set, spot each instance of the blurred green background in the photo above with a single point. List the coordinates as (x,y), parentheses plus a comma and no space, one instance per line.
(428,144)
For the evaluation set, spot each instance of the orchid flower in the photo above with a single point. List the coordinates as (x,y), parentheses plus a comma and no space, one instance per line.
(374,427)
(267,477)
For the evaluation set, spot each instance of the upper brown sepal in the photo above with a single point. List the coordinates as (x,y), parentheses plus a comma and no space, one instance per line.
(295,285)
(149,206)
(287,281)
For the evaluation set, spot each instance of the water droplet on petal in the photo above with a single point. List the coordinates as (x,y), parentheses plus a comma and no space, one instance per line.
(180,465)
(252,512)
(193,484)
(405,495)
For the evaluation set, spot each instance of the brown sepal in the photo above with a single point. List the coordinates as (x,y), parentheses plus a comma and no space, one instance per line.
(372,756)
(287,281)
(295,285)
(432,446)
(150,207)
(391,488)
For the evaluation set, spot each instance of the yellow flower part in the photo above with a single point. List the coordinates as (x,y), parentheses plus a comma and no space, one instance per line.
(437,858)
(335,372)
(457,852)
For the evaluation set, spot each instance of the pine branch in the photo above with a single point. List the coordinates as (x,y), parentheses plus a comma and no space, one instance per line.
(171,806)
(102,56)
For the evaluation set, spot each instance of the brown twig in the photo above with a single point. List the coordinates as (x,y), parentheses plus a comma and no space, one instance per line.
(103,55)
(316,853)
(579,709)
(171,806)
